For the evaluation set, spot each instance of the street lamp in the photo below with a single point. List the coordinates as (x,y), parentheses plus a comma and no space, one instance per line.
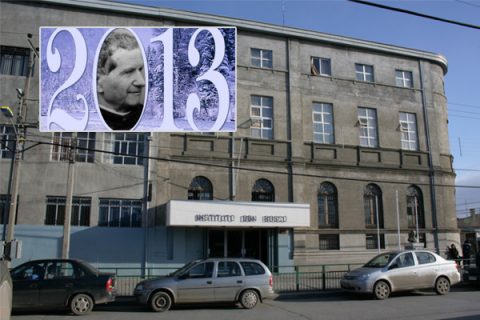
(7,112)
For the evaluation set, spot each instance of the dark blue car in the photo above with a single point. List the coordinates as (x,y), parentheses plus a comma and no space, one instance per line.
(61,283)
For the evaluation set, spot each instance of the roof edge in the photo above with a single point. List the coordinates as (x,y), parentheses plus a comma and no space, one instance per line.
(249,25)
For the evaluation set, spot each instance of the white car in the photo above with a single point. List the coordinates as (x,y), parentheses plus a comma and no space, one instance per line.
(402,271)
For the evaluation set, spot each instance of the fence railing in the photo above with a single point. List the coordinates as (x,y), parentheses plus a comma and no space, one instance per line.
(285,279)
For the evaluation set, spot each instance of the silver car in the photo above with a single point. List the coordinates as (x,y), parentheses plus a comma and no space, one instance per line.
(247,281)
(402,271)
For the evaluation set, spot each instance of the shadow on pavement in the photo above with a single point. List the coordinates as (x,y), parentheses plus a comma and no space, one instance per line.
(129,304)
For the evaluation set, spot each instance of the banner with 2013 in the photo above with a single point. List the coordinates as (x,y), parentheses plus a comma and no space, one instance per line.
(138,79)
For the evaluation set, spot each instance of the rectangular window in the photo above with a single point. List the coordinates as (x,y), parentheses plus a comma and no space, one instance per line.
(323,123)
(408,131)
(320,67)
(404,78)
(127,147)
(261,113)
(55,214)
(364,72)
(261,58)
(372,241)
(7,141)
(14,61)
(367,119)
(120,213)
(62,146)
(328,242)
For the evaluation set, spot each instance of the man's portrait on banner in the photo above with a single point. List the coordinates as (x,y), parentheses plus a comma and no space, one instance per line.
(121,80)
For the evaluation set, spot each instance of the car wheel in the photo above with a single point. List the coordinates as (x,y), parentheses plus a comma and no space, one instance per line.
(381,290)
(442,286)
(249,299)
(81,304)
(160,302)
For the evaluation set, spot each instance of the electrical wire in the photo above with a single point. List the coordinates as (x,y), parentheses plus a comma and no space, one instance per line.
(209,163)
(418,14)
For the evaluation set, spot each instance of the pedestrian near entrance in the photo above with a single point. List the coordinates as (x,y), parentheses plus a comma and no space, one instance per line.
(452,252)
(466,248)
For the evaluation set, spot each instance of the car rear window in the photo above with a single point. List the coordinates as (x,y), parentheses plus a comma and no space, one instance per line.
(425,257)
(252,268)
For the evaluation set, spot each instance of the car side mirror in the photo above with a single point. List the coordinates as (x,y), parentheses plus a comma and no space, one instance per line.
(183,276)
(393,266)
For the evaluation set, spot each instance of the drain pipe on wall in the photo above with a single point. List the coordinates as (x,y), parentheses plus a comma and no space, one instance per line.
(289,147)
(433,194)
(146,179)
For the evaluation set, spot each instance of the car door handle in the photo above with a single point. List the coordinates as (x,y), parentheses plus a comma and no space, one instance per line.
(209,282)
(34,285)
(68,285)
(239,281)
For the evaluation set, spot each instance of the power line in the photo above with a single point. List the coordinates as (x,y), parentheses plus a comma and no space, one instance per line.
(418,14)
(461,111)
(463,105)
(468,3)
(47,142)
(216,165)
(465,117)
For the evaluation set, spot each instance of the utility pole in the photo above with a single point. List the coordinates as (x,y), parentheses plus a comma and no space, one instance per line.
(20,131)
(67,224)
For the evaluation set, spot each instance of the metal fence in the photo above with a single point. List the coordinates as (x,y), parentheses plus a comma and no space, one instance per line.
(285,279)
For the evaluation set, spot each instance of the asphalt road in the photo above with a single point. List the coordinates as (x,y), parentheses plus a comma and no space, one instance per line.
(462,303)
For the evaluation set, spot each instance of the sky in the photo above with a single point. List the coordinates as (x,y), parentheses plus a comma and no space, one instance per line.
(460,45)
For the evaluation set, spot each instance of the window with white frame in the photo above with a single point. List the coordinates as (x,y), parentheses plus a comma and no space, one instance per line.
(367,120)
(7,141)
(323,123)
(261,113)
(404,78)
(408,131)
(364,72)
(120,213)
(320,66)
(62,146)
(261,58)
(127,148)
(14,61)
(55,214)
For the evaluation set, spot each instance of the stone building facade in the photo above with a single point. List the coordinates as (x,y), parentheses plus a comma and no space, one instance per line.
(354,130)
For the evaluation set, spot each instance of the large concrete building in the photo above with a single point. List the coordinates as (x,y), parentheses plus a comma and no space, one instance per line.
(349,135)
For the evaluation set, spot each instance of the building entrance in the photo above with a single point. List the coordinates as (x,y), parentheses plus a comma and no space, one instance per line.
(251,243)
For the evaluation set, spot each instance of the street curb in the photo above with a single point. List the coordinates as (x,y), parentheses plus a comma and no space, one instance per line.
(277,296)
(307,294)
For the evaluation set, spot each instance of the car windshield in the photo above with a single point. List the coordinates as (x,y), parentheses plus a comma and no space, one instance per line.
(182,269)
(381,260)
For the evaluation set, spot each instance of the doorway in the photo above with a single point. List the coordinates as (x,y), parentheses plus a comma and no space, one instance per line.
(249,243)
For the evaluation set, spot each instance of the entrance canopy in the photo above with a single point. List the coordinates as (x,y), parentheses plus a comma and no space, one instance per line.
(237,214)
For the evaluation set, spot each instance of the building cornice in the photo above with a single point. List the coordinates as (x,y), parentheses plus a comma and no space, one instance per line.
(249,25)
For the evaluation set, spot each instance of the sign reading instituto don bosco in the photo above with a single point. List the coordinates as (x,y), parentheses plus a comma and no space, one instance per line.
(237,214)
(138,79)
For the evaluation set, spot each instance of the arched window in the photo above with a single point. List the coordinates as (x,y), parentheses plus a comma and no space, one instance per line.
(327,206)
(200,189)
(263,191)
(415,207)
(372,205)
